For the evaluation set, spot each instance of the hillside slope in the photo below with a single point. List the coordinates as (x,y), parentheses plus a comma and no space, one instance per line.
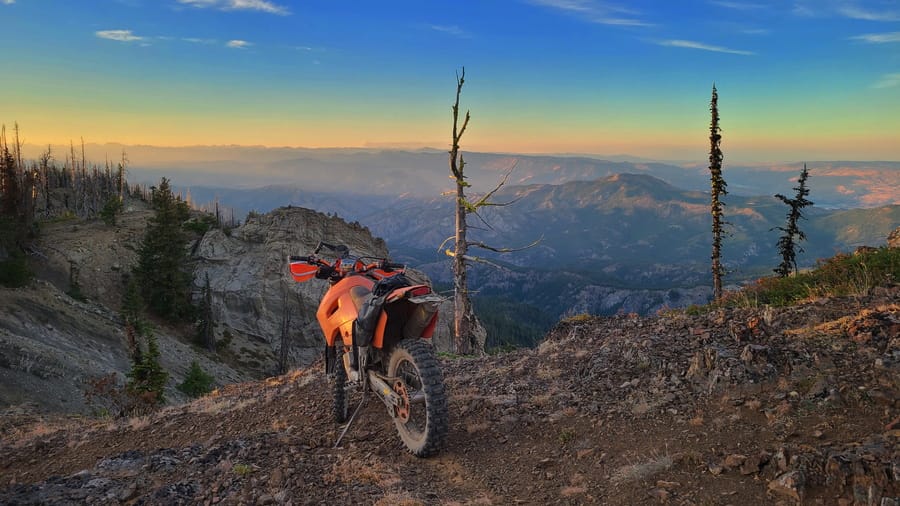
(738,406)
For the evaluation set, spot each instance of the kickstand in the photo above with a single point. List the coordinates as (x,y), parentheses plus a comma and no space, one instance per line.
(350,421)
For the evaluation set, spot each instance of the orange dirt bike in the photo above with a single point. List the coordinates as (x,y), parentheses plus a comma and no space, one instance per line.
(377,326)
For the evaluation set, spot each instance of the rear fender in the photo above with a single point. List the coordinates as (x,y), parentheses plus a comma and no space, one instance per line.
(420,320)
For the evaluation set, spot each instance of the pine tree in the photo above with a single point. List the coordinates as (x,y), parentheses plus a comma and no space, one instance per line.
(135,326)
(718,190)
(787,244)
(197,382)
(162,258)
(147,375)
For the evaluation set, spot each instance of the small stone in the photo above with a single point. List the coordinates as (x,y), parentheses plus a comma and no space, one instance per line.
(734,460)
(715,468)
(580,454)
(276,479)
(660,494)
(753,463)
(791,484)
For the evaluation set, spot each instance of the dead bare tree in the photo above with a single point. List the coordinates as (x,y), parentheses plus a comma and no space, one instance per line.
(469,335)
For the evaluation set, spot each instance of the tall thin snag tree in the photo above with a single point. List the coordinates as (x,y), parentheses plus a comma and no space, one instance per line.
(469,334)
(464,320)
(718,190)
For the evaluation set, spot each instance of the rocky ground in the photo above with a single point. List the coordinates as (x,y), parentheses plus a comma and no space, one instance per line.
(742,407)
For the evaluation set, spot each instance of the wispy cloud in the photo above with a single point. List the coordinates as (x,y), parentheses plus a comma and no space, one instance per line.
(596,11)
(741,6)
(888,81)
(756,31)
(852,9)
(7,2)
(879,38)
(118,35)
(451,30)
(235,5)
(238,44)
(855,12)
(705,47)
(198,40)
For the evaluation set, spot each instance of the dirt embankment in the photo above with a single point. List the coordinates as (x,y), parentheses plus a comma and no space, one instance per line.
(739,407)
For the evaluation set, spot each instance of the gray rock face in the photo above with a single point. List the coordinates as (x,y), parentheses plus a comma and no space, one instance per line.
(252,287)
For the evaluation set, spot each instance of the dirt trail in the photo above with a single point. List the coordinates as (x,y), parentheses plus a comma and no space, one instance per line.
(742,407)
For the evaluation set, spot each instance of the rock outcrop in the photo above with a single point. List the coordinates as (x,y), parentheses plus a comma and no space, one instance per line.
(893,240)
(252,288)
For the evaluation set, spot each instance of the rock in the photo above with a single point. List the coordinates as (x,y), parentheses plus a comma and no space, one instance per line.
(893,239)
(754,462)
(734,461)
(660,494)
(715,468)
(791,484)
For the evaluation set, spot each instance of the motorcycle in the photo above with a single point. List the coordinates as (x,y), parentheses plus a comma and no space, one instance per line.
(377,325)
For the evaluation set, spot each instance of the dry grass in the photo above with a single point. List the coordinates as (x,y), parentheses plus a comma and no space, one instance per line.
(398,499)
(541,400)
(572,491)
(139,422)
(643,470)
(548,373)
(374,472)
(216,405)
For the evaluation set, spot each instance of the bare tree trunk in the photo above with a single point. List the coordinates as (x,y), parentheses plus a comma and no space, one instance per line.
(464,321)
(462,306)
(284,348)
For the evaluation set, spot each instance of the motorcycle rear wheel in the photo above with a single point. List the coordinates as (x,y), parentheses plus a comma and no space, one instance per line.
(422,421)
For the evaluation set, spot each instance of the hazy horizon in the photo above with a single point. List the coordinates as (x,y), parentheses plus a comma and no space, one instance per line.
(97,152)
(800,80)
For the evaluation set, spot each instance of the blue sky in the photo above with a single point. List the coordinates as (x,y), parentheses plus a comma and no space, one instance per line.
(797,79)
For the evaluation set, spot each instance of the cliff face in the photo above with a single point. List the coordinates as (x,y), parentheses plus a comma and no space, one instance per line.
(252,288)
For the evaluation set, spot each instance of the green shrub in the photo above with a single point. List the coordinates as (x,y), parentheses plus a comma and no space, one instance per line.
(840,275)
(111,209)
(197,382)
(14,271)
(201,225)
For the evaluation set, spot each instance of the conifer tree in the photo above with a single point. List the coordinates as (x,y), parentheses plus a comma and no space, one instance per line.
(197,382)
(787,244)
(162,258)
(147,375)
(718,190)
(135,326)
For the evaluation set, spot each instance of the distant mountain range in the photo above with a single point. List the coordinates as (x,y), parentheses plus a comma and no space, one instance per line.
(615,235)
(424,173)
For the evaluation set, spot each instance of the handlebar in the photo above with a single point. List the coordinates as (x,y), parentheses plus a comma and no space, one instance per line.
(360,264)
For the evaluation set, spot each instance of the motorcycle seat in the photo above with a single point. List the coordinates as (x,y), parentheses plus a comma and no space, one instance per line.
(359,294)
